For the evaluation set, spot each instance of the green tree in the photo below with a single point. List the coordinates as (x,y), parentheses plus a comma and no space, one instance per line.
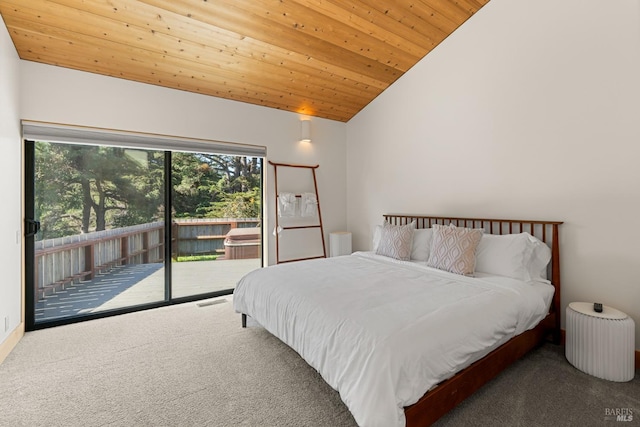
(244,204)
(58,201)
(81,188)
(194,184)
(84,188)
(216,186)
(142,192)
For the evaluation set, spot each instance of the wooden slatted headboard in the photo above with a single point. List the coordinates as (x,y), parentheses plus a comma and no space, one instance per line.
(546,231)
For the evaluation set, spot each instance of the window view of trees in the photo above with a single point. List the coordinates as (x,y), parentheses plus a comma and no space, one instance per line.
(92,188)
(216,186)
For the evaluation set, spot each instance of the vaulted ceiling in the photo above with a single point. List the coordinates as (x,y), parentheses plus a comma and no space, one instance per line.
(324,58)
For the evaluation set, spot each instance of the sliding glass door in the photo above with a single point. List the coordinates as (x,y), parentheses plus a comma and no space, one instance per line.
(215,221)
(97,236)
(100,242)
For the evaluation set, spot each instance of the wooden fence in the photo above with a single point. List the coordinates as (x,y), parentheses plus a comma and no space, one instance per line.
(205,236)
(65,260)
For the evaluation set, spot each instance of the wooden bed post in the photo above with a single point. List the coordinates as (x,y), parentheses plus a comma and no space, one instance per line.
(555,279)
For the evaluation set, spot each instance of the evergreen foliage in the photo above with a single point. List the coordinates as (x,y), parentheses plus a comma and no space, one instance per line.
(81,188)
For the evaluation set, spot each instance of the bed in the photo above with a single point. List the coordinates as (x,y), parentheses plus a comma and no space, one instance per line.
(408,331)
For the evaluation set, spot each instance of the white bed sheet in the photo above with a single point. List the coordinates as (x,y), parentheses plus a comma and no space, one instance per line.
(382,332)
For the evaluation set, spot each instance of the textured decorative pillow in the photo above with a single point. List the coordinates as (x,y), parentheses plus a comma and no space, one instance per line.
(453,248)
(395,241)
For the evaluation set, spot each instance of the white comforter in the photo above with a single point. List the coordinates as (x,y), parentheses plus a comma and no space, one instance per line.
(383,332)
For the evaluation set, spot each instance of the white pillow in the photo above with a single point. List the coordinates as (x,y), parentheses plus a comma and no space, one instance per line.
(540,257)
(421,244)
(377,235)
(505,255)
(396,240)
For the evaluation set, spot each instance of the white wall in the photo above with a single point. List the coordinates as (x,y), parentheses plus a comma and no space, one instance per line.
(10,191)
(54,94)
(530,110)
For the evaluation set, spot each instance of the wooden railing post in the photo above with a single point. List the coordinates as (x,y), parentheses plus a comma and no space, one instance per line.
(145,247)
(160,244)
(36,274)
(124,250)
(89,264)
(175,237)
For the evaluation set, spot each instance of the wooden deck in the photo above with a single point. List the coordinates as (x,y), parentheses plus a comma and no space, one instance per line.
(136,284)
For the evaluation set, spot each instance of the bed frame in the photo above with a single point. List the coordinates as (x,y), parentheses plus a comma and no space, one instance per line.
(448,394)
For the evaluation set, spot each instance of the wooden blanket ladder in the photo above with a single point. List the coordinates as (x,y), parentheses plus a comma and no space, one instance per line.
(297,227)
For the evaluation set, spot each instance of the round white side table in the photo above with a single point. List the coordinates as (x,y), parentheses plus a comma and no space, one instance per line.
(600,344)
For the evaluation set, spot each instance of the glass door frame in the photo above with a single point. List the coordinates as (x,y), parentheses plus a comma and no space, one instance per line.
(29,250)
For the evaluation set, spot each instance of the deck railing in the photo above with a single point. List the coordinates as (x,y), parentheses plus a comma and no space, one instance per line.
(68,259)
(65,260)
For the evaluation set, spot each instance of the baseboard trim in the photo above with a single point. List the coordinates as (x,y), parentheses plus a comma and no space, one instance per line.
(563,340)
(12,340)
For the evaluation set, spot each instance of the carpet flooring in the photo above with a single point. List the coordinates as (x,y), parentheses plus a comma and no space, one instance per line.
(193,365)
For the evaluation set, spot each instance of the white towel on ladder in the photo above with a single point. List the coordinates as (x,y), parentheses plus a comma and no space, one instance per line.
(287,204)
(308,205)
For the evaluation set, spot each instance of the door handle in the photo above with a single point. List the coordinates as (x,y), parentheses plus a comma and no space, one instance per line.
(31,227)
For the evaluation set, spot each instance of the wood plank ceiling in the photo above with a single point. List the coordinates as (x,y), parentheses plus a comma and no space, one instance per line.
(325,58)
